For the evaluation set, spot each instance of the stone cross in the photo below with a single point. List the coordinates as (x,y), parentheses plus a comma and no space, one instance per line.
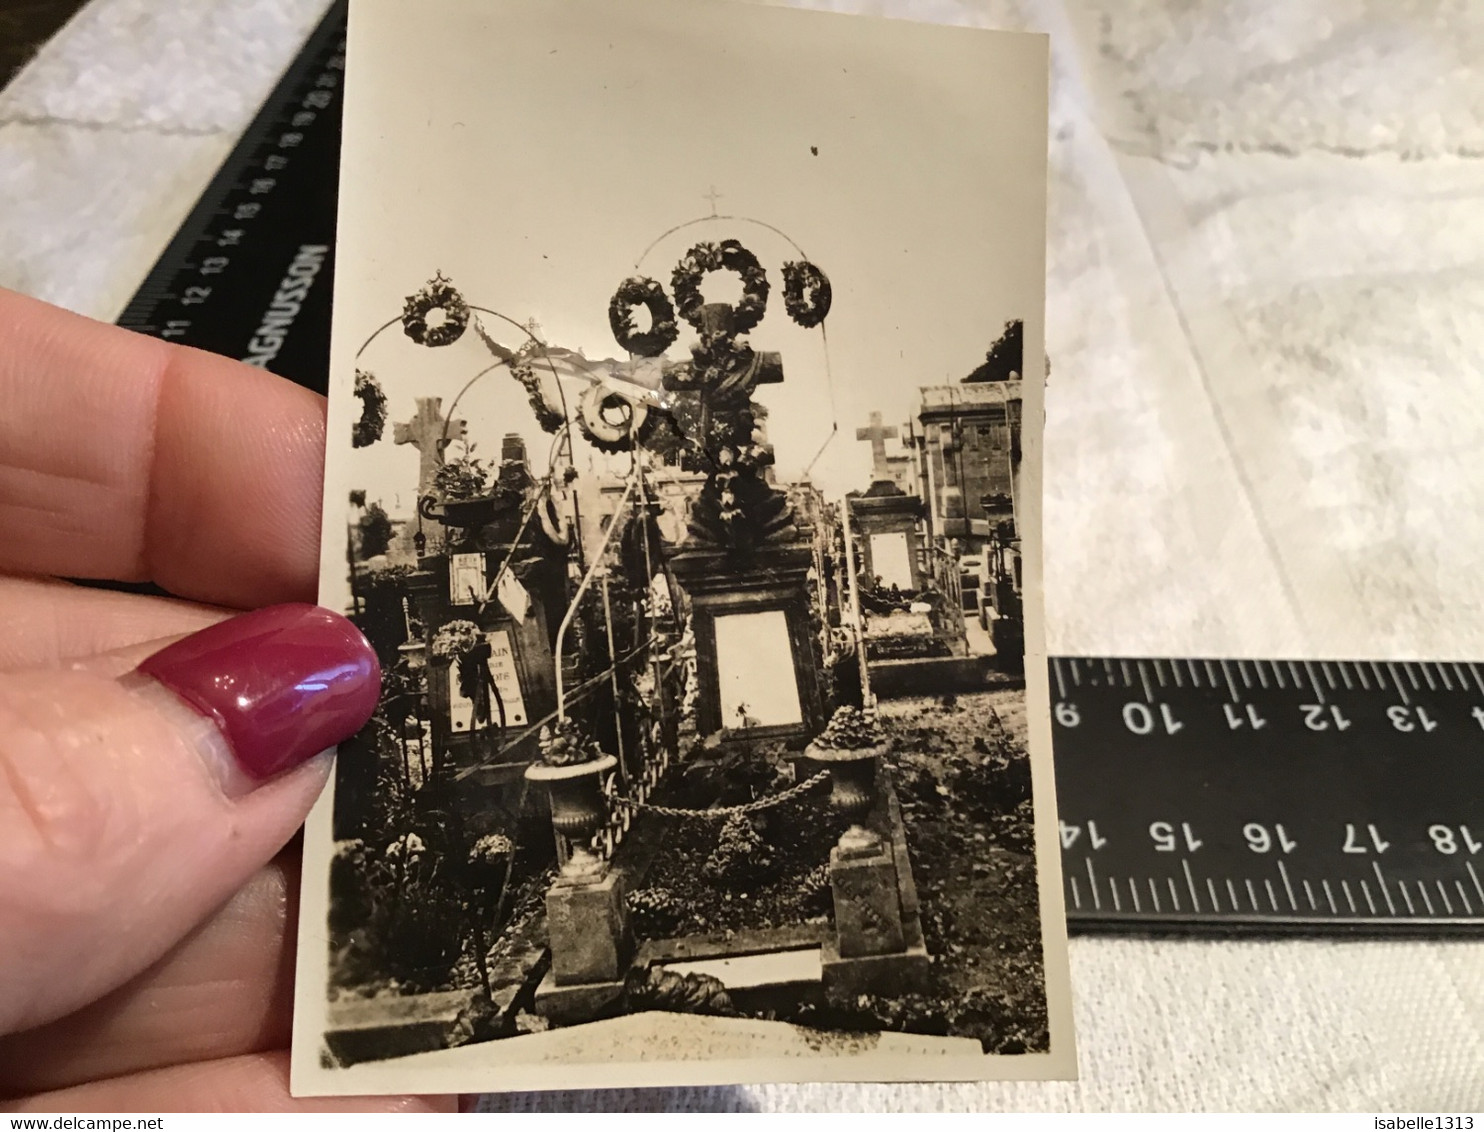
(710,401)
(731,389)
(878,437)
(430,434)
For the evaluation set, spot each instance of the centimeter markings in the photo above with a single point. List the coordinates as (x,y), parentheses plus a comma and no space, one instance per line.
(1295,795)
(238,277)
(1195,794)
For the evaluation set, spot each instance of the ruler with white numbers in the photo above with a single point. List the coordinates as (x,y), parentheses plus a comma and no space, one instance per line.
(1267,795)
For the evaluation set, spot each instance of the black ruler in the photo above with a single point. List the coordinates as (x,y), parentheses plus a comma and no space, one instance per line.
(248,274)
(1254,794)
(1195,795)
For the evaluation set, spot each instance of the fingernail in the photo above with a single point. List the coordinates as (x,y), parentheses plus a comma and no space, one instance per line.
(281,684)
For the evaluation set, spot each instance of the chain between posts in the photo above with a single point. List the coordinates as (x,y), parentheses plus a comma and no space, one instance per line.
(728,811)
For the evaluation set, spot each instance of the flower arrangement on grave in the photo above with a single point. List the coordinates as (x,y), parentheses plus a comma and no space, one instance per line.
(550,414)
(456,640)
(415,921)
(409,846)
(437,314)
(729,255)
(852,729)
(571,768)
(464,643)
(566,744)
(491,851)
(472,494)
(658,988)
(462,478)
(612,421)
(655,912)
(741,855)
(851,746)
(737,508)
(371,424)
(806,293)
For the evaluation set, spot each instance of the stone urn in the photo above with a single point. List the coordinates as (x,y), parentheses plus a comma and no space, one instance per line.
(852,747)
(575,793)
(467,513)
(414,653)
(852,780)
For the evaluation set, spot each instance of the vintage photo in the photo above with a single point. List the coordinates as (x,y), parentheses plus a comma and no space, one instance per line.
(684,472)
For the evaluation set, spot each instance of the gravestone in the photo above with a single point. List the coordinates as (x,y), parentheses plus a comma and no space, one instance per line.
(895,469)
(887,519)
(878,436)
(744,562)
(463,577)
(431,435)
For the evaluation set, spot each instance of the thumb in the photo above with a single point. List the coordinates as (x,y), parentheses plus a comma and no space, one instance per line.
(132,808)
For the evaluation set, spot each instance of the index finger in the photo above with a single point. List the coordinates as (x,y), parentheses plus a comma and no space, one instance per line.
(126,458)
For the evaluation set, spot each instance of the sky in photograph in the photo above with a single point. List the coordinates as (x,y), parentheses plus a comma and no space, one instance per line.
(537,153)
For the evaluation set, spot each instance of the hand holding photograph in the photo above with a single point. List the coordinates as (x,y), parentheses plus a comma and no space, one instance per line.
(684,472)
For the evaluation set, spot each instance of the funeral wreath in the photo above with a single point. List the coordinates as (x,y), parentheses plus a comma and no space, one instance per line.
(729,255)
(436,315)
(640,291)
(368,428)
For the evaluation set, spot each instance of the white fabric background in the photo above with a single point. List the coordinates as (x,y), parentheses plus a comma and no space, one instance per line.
(1266,322)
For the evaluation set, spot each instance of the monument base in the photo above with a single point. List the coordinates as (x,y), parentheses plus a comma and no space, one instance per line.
(394,1025)
(567,1004)
(589,928)
(938,676)
(877,946)
(894,974)
(868,909)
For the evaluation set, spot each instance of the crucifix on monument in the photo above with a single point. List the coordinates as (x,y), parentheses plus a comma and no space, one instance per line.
(743,563)
(878,436)
(711,402)
(431,435)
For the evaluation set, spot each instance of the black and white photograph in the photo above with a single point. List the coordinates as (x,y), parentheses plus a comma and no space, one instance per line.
(684,473)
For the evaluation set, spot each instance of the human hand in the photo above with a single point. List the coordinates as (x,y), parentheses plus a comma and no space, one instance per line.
(146,906)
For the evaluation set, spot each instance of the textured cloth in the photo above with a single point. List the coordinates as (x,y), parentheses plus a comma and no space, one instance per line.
(1266,320)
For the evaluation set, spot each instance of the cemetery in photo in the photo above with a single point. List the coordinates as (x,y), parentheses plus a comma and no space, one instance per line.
(663,730)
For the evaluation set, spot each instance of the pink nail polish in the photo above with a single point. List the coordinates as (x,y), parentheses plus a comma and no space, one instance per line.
(281,684)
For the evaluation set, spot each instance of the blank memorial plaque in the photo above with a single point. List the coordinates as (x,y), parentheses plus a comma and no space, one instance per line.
(755,670)
(889,559)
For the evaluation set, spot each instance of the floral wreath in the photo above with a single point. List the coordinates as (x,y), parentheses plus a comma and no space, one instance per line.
(605,434)
(550,417)
(368,429)
(554,524)
(729,255)
(806,293)
(438,294)
(456,640)
(634,291)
